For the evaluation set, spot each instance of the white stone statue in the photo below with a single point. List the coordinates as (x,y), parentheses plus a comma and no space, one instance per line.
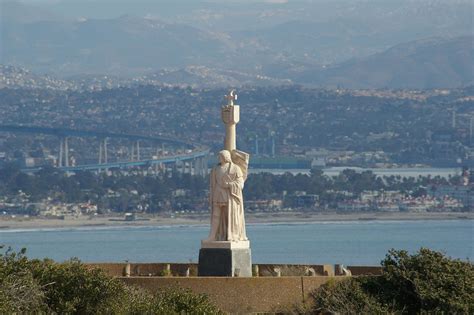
(226,201)
(226,252)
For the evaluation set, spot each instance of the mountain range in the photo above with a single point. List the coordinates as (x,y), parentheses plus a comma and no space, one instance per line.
(429,63)
(356,44)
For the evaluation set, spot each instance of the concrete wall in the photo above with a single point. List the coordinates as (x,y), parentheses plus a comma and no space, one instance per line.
(277,287)
(241,295)
(263,270)
(147,269)
(365,270)
(273,270)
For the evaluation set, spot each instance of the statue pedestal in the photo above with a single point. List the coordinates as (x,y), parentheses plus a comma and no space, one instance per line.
(225,259)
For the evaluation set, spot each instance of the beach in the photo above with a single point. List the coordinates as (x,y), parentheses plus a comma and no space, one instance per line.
(7,222)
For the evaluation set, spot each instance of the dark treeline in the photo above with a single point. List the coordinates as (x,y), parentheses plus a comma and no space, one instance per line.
(119,192)
(129,191)
(335,188)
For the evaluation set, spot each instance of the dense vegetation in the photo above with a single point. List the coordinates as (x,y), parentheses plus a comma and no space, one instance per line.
(423,283)
(336,188)
(43,286)
(128,192)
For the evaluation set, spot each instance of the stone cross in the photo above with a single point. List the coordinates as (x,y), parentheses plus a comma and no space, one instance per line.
(231,98)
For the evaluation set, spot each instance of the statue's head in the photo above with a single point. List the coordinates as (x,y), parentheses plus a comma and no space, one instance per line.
(224,157)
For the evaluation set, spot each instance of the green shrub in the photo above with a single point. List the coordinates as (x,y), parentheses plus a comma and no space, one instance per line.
(346,297)
(12,262)
(171,301)
(168,302)
(425,282)
(71,287)
(183,301)
(43,286)
(20,293)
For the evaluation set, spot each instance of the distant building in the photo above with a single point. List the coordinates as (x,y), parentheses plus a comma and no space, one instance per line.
(463,193)
(353,206)
(419,204)
(130,216)
(264,205)
(302,200)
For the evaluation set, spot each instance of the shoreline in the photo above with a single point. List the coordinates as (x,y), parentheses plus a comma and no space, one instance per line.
(33,223)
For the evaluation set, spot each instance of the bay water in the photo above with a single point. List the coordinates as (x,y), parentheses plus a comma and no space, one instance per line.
(348,243)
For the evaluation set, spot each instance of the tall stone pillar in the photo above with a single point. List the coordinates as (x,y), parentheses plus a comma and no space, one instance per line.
(230,116)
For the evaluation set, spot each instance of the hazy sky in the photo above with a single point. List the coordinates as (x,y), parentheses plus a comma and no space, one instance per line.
(114,8)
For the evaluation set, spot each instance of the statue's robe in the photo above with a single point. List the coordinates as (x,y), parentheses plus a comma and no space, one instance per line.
(227,205)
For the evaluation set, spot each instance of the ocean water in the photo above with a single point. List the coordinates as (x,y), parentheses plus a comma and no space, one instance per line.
(348,243)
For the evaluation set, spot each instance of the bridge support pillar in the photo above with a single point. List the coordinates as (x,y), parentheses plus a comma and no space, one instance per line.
(135,152)
(100,152)
(103,155)
(66,152)
(106,157)
(138,150)
(63,152)
(204,166)
(60,159)
(205,169)
(201,167)
(196,166)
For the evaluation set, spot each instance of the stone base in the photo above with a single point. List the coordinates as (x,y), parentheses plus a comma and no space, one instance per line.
(215,261)
(225,244)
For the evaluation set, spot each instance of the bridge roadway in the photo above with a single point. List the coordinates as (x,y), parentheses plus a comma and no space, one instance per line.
(198,153)
(120,165)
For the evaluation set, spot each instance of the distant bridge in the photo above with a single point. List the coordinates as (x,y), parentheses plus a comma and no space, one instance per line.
(65,132)
(196,159)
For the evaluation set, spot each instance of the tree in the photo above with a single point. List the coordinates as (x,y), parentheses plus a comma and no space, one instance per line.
(425,282)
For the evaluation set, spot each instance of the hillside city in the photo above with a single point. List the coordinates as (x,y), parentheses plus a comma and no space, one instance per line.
(285,127)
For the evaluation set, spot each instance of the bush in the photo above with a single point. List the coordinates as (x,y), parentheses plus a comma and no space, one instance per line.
(346,297)
(426,282)
(71,287)
(169,302)
(181,301)
(43,286)
(19,292)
